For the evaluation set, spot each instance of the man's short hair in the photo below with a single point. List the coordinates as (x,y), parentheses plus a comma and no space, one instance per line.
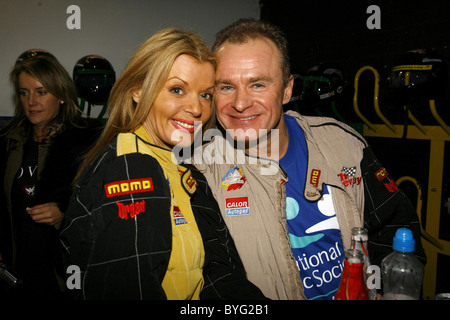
(246,29)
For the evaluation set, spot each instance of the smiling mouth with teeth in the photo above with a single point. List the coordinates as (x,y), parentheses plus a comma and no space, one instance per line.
(248,118)
(184,124)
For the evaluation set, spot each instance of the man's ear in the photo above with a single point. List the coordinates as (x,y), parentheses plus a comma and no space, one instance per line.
(136,95)
(288,90)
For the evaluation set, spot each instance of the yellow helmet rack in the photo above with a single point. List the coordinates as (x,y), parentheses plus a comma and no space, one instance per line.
(438,135)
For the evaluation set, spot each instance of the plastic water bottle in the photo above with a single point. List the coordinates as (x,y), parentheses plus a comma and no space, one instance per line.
(402,272)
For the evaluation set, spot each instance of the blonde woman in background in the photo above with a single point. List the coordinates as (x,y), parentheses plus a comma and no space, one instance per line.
(41,150)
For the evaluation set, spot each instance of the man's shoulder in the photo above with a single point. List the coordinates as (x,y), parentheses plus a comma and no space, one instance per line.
(326,126)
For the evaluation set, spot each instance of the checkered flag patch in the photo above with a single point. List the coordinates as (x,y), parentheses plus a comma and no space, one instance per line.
(350,172)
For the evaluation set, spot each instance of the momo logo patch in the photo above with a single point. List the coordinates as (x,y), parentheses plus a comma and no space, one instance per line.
(315,175)
(381,174)
(390,184)
(123,187)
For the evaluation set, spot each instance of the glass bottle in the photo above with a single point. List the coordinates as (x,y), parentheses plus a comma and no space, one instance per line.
(359,242)
(352,286)
(402,272)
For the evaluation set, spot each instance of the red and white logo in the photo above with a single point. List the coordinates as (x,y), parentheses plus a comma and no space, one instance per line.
(237,206)
(178,217)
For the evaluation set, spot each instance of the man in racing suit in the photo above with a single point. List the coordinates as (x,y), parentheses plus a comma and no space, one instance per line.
(369,198)
(343,181)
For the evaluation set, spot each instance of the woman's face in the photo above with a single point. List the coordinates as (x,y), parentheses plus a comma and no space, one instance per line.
(183,104)
(40,106)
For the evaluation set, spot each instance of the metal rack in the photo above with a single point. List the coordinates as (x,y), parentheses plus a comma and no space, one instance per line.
(437,135)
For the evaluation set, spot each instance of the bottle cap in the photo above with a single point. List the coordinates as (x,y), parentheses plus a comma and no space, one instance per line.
(404,240)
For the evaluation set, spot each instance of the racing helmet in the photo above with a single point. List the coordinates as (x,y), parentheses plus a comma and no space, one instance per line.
(94,78)
(419,73)
(32,53)
(321,82)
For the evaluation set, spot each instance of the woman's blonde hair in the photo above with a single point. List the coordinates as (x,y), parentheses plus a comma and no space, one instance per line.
(51,74)
(147,71)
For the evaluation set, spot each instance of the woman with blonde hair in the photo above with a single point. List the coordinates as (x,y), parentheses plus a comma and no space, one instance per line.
(140,225)
(41,149)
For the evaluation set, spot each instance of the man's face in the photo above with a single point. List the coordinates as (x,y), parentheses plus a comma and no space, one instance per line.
(249,88)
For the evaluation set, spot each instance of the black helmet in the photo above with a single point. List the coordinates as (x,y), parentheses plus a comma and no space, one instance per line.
(94,78)
(324,81)
(32,53)
(418,73)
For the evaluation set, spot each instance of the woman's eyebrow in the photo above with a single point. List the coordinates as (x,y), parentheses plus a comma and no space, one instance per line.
(175,77)
(38,88)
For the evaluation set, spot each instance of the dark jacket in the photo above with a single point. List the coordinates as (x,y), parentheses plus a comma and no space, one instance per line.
(128,258)
(63,159)
(57,165)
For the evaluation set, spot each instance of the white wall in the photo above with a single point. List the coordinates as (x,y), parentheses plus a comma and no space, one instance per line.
(110,28)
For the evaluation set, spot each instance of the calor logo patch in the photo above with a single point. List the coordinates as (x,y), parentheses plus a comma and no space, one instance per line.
(178,217)
(237,206)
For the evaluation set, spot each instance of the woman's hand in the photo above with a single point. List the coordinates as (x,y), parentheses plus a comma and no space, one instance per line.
(47,213)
